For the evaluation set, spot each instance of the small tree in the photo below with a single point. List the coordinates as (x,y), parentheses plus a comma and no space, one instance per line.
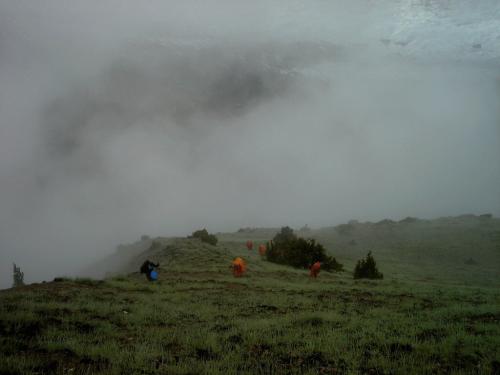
(284,236)
(367,268)
(204,236)
(287,248)
(18,276)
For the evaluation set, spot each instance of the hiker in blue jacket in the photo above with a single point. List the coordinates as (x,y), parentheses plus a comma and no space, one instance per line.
(149,269)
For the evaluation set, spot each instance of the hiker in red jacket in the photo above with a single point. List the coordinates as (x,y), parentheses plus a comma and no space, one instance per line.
(262,249)
(314,270)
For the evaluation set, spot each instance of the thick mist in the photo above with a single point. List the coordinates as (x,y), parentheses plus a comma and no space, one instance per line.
(119,119)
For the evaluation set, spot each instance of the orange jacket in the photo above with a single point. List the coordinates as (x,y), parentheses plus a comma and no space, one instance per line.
(239,267)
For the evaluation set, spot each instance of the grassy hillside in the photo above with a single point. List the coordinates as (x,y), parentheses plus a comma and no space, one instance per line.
(413,249)
(424,249)
(422,318)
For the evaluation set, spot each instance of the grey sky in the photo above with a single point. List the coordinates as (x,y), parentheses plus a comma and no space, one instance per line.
(122,118)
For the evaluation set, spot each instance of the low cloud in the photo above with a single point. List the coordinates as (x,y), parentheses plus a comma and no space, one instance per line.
(119,120)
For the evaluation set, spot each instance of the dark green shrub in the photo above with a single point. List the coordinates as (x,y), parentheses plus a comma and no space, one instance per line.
(367,268)
(408,220)
(287,248)
(285,235)
(204,236)
(385,222)
(17,276)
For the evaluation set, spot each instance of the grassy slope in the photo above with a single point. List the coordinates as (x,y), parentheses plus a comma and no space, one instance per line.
(199,319)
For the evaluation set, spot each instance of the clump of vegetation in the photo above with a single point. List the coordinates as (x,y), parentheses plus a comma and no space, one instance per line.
(345,229)
(470,262)
(247,230)
(367,268)
(17,276)
(408,220)
(287,248)
(385,222)
(204,236)
(486,216)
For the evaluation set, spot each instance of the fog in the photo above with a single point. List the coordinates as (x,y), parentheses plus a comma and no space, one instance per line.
(121,118)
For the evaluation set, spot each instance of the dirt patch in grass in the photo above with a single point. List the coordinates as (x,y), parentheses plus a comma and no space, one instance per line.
(363,370)
(426,304)
(363,298)
(10,372)
(398,349)
(24,329)
(67,361)
(484,318)
(368,350)
(9,307)
(431,334)
(13,347)
(266,308)
(461,361)
(327,296)
(175,348)
(314,360)
(314,321)
(221,327)
(60,311)
(235,340)
(495,367)
(206,354)
(83,327)
(472,330)
(259,350)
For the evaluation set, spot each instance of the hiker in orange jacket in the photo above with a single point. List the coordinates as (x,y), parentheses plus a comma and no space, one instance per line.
(314,270)
(239,267)
(262,249)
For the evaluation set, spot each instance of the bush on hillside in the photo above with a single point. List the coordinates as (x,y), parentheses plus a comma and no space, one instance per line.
(470,262)
(247,230)
(385,222)
(287,248)
(17,276)
(408,220)
(204,236)
(367,268)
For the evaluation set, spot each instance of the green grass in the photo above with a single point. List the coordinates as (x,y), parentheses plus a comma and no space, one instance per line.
(198,319)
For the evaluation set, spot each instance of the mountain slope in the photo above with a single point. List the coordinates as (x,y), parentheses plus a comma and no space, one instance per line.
(198,319)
